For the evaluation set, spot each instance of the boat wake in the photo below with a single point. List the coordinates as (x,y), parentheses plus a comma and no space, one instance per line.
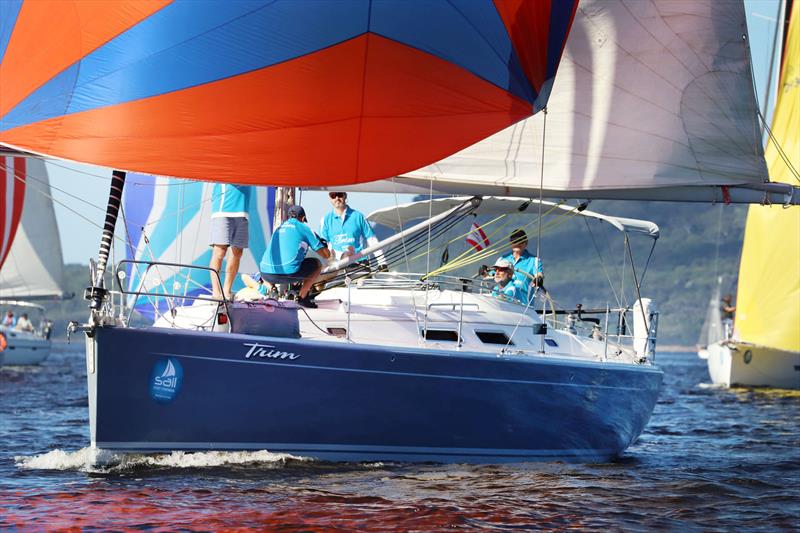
(97,461)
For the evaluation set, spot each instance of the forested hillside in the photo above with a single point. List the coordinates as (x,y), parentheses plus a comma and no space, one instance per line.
(680,277)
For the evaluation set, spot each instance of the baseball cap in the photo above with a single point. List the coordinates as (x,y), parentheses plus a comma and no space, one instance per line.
(503,263)
(297,212)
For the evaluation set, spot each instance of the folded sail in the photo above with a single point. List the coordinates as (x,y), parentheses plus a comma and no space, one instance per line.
(168,220)
(653,100)
(768,297)
(34,267)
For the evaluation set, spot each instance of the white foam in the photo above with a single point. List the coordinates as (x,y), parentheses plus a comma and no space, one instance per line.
(82,459)
(91,459)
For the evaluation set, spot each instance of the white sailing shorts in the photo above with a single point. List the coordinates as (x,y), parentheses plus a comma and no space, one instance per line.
(229,231)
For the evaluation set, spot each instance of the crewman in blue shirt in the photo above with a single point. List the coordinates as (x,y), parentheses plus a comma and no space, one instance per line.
(347,230)
(285,259)
(505,287)
(229,206)
(524,263)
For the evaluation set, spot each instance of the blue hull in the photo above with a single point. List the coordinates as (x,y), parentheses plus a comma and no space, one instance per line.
(160,390)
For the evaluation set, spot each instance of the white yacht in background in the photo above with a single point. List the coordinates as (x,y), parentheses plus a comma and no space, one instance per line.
(32,271)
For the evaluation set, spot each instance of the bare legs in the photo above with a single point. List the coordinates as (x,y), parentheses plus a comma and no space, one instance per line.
(231,269)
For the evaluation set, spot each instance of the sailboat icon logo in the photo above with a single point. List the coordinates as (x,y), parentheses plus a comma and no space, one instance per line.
(166,379)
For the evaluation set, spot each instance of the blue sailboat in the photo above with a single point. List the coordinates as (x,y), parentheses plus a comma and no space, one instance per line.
(398,366)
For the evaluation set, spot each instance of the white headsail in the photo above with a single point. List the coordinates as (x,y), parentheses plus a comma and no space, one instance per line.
(34,268)
(653,101)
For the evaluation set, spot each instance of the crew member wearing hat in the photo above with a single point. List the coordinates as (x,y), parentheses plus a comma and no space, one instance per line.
(347,230)
(524,262)
(505,287)
(285,259)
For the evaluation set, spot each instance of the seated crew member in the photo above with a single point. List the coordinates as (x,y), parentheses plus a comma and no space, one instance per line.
(23,324)
(524,262)
(347,230)
(285,260)
(505,287)
(9,320)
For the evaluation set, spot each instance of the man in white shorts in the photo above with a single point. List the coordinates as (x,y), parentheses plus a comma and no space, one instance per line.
(229,206)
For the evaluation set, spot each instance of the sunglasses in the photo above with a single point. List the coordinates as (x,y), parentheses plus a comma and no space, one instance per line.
(337,195)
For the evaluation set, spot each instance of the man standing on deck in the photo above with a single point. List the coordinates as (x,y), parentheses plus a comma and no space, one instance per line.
(347,230)
(524,263)
(229,206)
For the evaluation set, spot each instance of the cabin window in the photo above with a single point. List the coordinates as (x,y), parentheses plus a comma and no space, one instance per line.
(494,337)
(338,332)
(551,342)
(440,335)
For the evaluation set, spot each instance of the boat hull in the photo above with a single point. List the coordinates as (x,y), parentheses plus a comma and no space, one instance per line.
(24,349)
(154,390)
(738,364)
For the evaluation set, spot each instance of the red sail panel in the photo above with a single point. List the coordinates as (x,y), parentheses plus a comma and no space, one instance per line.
(12,195)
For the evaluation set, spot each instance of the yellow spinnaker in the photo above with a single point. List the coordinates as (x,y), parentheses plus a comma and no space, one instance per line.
(768,307)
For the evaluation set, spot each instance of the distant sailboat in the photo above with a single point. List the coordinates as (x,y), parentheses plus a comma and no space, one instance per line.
(33,269)
(765,349)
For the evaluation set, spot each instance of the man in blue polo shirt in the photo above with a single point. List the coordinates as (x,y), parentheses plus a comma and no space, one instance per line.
(285,259)
(347,230)
(505,287)
(229,206)
(524,263)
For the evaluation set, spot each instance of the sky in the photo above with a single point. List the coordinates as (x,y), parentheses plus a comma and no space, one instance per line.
(81,192)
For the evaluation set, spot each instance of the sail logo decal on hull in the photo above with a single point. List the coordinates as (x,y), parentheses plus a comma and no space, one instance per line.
(267,351)
(166,380)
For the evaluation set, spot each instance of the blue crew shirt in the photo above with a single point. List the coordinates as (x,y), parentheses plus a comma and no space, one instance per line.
(288,247)
(342,232)
(229,200)
(511,291)
(527,262)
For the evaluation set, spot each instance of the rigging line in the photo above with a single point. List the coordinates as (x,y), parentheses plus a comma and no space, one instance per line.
(637,284)
(602,263)
(403,244)
(647,263)
(469,257)
(68,208)
(541,187)
(46,183)
(780,150)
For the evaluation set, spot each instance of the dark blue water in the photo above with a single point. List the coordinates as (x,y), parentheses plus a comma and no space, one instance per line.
(710,459)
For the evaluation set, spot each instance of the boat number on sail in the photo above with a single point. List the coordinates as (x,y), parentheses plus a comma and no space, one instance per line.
(166,380)
(267,351)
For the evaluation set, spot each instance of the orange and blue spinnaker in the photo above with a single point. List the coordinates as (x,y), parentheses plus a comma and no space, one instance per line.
(283,92)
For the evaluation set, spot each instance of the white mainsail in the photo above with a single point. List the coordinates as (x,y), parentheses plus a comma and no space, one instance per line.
(34,268)
(653,101)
